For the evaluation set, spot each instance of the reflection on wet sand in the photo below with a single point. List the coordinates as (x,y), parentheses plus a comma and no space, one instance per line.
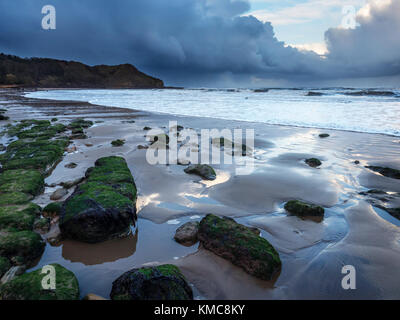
(98,253)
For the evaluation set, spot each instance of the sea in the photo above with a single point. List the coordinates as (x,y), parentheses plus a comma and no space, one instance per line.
(349,109)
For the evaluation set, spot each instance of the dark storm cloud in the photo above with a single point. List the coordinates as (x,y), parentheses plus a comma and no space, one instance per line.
(182,41)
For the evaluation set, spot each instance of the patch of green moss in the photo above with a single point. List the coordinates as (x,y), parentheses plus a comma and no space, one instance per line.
(27,245)
(80,123)
(19,217)
(14,198)
(21,180)
(52,209)
(29,286)
(33,154)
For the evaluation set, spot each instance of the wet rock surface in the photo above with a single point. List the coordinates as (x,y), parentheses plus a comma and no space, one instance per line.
(240,245)
(164,282)
(104,207)
(186,234)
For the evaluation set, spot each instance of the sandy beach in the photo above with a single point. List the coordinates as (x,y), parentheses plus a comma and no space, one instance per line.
(355,230)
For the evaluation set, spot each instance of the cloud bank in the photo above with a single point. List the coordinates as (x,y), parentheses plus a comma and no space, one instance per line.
(199,42)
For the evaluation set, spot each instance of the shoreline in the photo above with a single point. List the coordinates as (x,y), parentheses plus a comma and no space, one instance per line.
(200,117)
(168,197)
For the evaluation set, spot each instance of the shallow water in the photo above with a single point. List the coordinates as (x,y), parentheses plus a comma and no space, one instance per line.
(333,110)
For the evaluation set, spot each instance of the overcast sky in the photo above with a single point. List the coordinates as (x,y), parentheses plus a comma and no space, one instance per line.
(217,42)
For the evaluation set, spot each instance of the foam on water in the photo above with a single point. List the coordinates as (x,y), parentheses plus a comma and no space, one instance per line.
(333,110)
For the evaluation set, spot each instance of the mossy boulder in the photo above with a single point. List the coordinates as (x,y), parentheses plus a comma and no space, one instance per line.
(164,282)
(203,170)
(104,206)
(29,286)
(21,180)
(385,171)
(303,209)
(313,162)
(4,266)
(22,246)
(240,245)
(19,217)
(52,210)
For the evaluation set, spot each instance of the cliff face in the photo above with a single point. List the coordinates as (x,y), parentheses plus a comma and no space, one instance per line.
(50,73)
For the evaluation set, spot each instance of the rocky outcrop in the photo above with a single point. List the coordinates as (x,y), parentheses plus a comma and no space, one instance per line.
(203,170)
(164,282)
(240,245)
(104,206)
(29,286)
(186,234)
(50,73)
(302,209)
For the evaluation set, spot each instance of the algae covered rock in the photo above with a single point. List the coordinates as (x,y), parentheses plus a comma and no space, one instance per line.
(186,234)
(21,180)
(19,217)
(164,282)
(52,210)
(21,246)
(118,143)
(324,135)
(385,171)
(240,245)
(303,209)
(42,155)
(29,286)
(203,170)
(104,206)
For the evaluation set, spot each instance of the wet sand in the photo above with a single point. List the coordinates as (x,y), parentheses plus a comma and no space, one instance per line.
(313,254)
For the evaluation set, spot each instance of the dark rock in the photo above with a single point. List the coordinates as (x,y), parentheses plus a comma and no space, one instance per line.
(261,90)
(146,128)
(385,171)
(303,209)
(240,245)
(104,207)
(371,93)
(203,170)
(324,135)
(357,162)
(164,282)
(29,286)
(186,234)
(313,162)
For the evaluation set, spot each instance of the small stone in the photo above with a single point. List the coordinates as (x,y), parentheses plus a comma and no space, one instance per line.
(70,184)
(141,147)
(324,135)
(186,234)
(118,143)
(313,162)
(58,194)
(71,165)
(203,170)
(303,209)
(357,162)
